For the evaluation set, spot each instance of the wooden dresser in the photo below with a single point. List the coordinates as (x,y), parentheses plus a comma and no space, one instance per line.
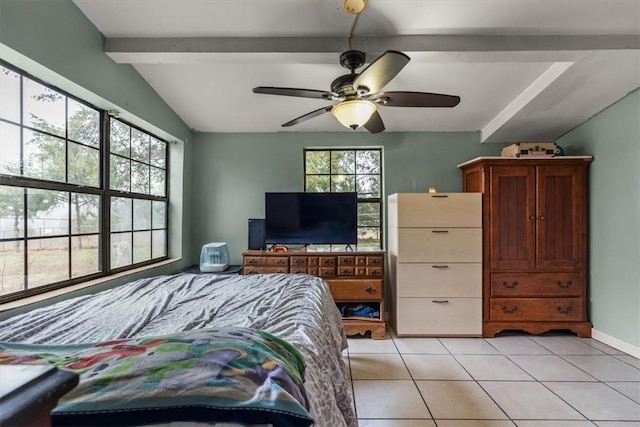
(535,242)
(353,277)
(435,260)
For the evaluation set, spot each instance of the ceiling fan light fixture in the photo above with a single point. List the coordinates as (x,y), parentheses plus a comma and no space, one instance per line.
(354,114)
(353,6)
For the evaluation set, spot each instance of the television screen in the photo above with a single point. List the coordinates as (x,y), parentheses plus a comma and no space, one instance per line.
(311,218)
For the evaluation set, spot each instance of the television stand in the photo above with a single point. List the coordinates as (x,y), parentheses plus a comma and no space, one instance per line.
(353,278)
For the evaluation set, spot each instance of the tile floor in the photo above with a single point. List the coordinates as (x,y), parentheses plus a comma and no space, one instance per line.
(514,379)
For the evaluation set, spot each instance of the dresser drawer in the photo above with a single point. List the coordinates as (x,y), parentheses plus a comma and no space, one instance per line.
(327,261)
(440,245)
(536,284)
(348,261)
(356,290)
(326,272)
(439,280)
(445,210)
(536,309)
(266,261)
(298,261)
(249,269)
(439,316)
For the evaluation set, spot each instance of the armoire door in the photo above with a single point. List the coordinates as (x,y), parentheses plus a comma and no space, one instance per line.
(513,217)
(560,217)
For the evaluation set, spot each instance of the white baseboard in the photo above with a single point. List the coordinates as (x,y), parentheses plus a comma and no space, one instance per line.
(616,343)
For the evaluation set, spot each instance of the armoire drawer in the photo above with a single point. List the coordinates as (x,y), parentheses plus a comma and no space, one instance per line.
(440,245)
(439,279)
(536,309)
(352,290)
(536,284)
(439,316)
(445,210)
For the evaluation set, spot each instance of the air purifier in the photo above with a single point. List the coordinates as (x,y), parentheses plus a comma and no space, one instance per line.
(214,257)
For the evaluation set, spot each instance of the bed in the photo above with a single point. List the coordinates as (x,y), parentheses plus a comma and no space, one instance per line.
(286,315)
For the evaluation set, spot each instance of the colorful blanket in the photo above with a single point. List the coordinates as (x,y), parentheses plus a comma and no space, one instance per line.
(223,374)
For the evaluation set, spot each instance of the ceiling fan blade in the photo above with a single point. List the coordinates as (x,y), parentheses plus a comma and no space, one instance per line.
(374,125)
(415,99)
(311,115)
(381,71)
(288,91)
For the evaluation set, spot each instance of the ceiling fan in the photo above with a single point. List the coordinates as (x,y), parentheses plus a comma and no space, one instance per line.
(357,94)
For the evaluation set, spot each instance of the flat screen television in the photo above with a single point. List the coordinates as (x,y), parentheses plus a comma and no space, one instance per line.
(311,218)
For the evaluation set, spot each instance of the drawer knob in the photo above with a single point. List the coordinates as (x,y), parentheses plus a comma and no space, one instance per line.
(510,285)
(565,285)
(509,310)
(252,261)
(566,310)
(375,273)
(280,262)
(370,289)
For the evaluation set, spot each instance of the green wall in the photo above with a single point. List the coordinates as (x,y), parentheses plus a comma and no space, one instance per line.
(613,138)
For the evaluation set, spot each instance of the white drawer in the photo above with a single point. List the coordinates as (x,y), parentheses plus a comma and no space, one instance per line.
(439,316)
(440,210)
(439,245)
(439,280)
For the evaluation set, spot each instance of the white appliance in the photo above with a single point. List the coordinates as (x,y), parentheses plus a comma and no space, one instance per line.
(214,257)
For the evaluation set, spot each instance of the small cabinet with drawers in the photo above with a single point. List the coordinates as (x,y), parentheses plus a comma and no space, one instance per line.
(435,259)
(353,277)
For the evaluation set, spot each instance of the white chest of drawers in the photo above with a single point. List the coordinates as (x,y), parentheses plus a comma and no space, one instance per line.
(435,263)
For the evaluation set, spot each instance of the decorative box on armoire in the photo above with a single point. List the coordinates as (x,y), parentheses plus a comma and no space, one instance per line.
(435,261)
(535,242)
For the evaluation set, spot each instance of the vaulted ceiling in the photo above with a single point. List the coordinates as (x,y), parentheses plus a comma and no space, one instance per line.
(526,70)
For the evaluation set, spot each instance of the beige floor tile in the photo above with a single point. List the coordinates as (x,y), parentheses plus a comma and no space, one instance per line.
(629,389)
(458,400)
(492,368)
(511,344)
(378,367)
(389,399)
(396,423)
(554,423)
(617,424)
(629,360)
(420,345)
(367,345)
(605,368)
(435,367)
(529,400)
(596,401)
(602,346)
(468,346)
(565,344)
(550,368)
(475,423)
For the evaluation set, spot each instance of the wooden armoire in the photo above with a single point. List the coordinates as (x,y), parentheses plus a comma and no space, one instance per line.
(534,242)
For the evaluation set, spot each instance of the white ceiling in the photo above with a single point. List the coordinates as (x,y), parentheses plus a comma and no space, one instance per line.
(526,70)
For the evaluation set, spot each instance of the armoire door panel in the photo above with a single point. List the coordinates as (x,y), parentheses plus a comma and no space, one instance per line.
(512,213)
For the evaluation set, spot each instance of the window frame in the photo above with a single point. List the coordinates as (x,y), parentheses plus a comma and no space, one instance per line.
(102,190)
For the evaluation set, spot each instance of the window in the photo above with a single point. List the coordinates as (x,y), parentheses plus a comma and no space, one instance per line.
(62,220)
(347,169)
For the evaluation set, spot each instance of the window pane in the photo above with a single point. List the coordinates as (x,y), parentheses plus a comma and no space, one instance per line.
(44,156)
(9,95)
(83,123)
(120,250)
(158,182)
(158,153)
(141,214)
(9,149)
(369,237)
(84,165)
(159,215)
(343,162)
(318,184)
(11,267)
(119,138)
(368,186)
(139,178)
(159,245)
(44,108)
(368,162)
(11,212)
(369,214)
(120,214)
(317,162)
(141,246)
(139,146)
(85,213)
(85,255)
(48,213)
(48,261)
(343,183)
(120,174)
